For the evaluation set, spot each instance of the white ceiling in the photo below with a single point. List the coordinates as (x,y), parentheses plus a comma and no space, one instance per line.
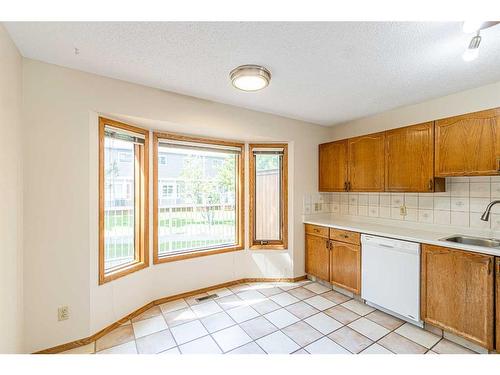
(326,73)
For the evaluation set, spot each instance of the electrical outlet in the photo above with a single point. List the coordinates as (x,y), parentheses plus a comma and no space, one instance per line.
(402,210)
(63,313)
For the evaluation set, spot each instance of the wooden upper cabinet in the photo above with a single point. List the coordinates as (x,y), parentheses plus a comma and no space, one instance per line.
(468,145)
(409,159)
(457,293)
(333,166)
(366,162)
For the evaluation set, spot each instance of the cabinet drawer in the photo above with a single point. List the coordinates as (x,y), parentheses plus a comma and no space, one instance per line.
(317,230)
(345,236)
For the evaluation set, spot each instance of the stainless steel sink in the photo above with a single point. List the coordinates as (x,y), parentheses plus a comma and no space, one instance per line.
(474,241)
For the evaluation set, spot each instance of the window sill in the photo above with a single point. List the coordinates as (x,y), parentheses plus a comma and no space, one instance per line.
(268,247)
(123,271)
(194,254)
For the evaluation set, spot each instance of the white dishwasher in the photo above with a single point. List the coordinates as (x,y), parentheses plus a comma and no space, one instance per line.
(390,276)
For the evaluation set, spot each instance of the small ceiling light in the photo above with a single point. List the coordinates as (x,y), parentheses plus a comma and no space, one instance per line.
(472,52)
(250,77)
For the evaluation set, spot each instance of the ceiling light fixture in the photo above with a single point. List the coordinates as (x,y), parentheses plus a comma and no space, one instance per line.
(250,77)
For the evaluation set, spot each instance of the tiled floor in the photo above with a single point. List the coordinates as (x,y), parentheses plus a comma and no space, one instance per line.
(274,318)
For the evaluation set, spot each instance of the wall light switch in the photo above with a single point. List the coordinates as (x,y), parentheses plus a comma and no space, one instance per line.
(402,210)
(63,313)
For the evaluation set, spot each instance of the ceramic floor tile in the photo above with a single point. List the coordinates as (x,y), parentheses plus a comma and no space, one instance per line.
(173,305)
(323,323)
(302,310)
(258,327)
(418,335)
(171,351)
(178,317)
(301,351)
(343,315)
(188,331)
(240,314)
(148,326)
(302,333)
(239,288)
(350,339)
(368,328)
(116,337)
(358,307)
(155,343)
(277,343)
(205,309)
(319,302)
(152,312)
(250,348)
(218,321)
(84,349)
(385,320)
(301,293)
(221,292)
(376,349)
(325,346)
(204,345)
(281,318)
(127,348)
(284,299)
(266,306)
(317,288)
(336,297)
(401,345)
(231,338)
(230,302)
(252,296)
(447,347)
(268,292)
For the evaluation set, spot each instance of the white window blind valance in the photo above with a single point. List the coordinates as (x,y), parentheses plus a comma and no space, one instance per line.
(228,149)
(123,135)
(268,151)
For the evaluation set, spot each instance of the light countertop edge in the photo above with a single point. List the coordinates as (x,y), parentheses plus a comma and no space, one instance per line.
(416,234)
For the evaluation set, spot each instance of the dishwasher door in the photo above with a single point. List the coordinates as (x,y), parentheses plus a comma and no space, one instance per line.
(390,276)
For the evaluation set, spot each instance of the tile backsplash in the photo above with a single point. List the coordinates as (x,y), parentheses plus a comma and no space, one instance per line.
(462,204)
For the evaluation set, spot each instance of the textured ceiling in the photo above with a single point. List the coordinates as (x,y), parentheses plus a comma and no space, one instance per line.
(326,73)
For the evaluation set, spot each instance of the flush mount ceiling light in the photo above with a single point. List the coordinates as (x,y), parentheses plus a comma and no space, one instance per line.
(250,77)
(472,51)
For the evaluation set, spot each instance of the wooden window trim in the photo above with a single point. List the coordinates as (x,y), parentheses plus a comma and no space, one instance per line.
(272,245)
(142,232)
(240,200)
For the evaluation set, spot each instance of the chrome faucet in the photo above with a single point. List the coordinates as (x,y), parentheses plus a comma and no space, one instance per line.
(486,214)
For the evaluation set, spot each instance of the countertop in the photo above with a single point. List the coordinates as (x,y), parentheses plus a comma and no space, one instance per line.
(414,232)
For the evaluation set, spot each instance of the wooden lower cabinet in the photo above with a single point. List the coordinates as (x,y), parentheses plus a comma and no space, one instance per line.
(345,266)
(457,293)
(497,272)
(318,256)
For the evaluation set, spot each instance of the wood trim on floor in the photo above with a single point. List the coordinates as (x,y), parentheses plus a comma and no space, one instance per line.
(139,311)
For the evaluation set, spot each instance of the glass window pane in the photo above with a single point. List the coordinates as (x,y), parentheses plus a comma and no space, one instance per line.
(119,201)
(267,197)
(197,202)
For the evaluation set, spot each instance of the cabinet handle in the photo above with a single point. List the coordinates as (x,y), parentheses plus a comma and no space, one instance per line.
(430,184)
(327,245)
(345,186)
(490,266)
(349,186)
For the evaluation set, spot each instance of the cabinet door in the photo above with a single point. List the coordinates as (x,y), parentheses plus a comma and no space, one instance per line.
(409,158)
(317,256)
(497,268)
(345,266)
(366,162)
(333,166)
(457,293)
(468,145)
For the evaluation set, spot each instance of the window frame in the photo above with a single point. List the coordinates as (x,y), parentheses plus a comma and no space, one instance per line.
(141,205)
(240,201)
(271,244)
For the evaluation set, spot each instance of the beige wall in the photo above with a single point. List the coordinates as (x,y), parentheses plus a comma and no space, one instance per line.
(60,112)
(477,99)
(11,192)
